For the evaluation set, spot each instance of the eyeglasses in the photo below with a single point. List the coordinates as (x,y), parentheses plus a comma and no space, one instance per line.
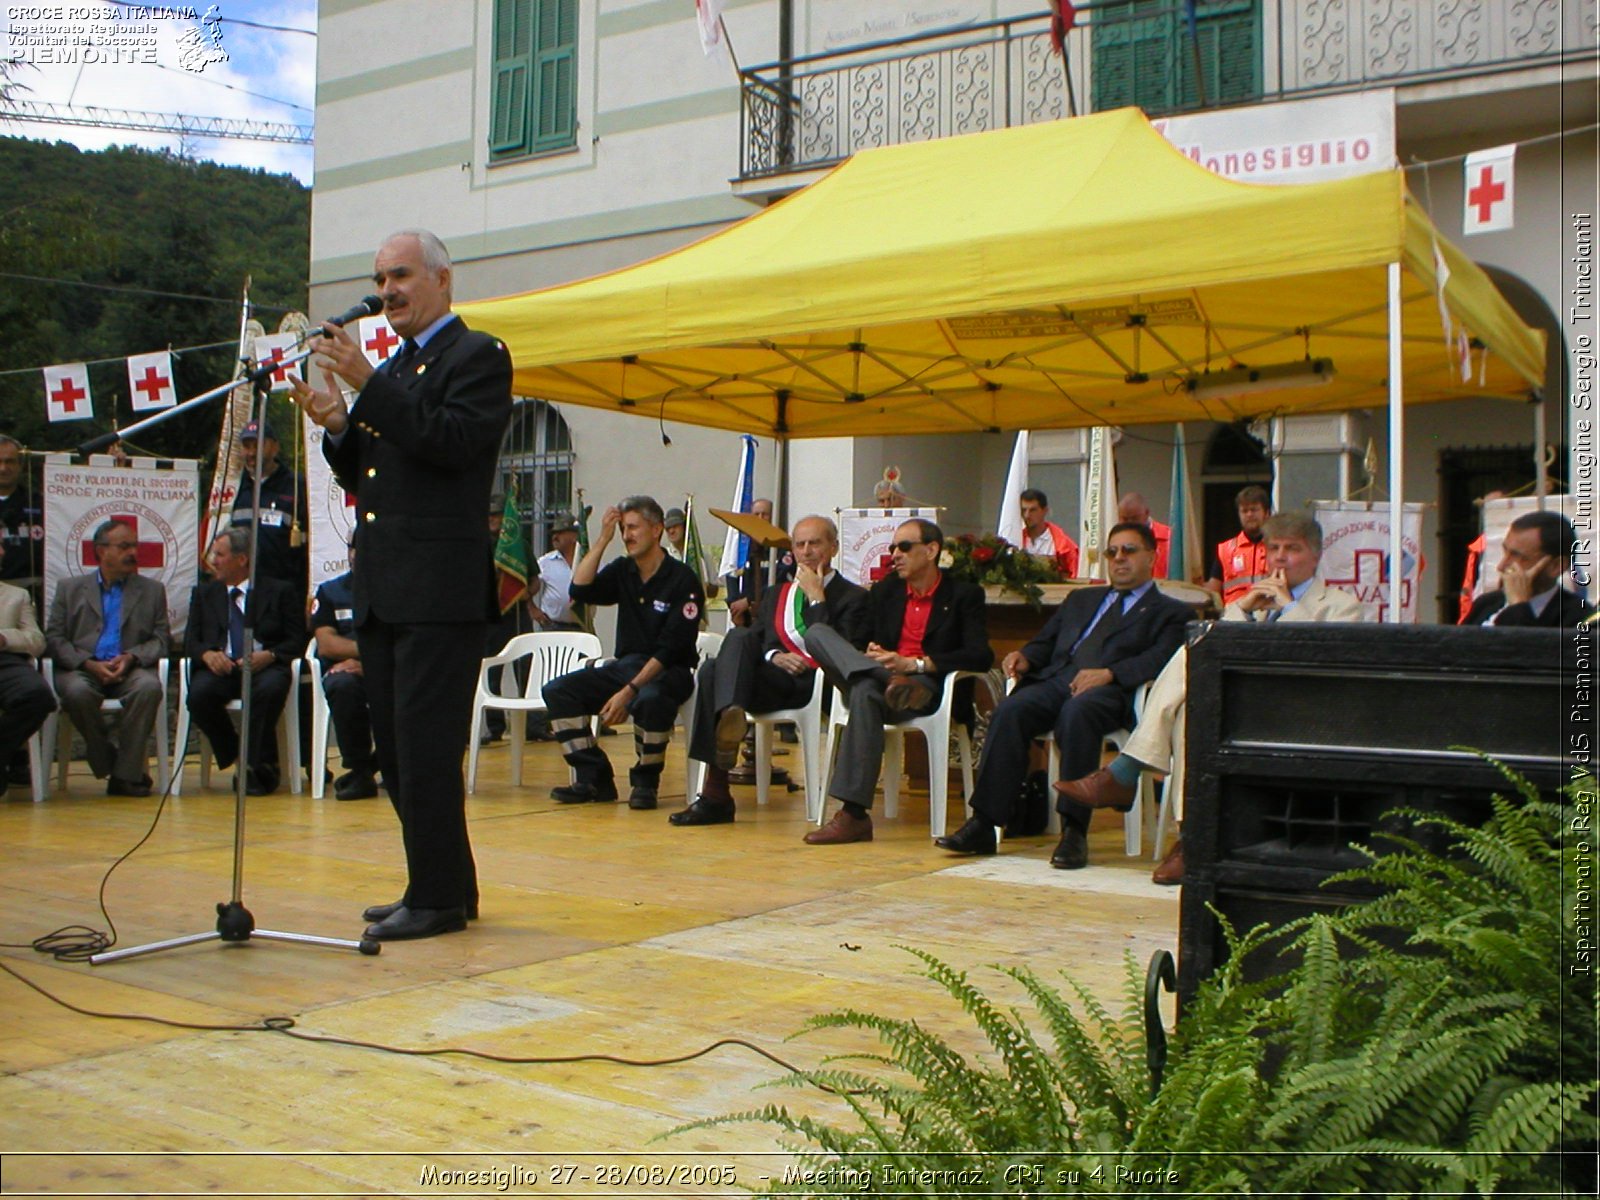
(905,547)
(1122,551)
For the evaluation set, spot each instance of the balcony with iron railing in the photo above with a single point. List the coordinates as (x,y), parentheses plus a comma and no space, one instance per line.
(817,109)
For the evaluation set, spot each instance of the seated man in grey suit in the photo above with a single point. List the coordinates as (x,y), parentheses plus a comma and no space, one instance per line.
(107,633)
(1076,679)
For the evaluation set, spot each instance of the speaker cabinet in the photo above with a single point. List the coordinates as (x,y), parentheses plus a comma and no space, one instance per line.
(1304,740)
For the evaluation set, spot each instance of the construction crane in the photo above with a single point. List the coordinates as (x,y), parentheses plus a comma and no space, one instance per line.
(156,122)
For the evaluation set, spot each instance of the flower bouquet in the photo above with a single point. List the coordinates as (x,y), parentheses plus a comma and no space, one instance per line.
(991,560)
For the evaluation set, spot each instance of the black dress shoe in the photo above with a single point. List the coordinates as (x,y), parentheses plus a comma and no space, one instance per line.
(642,799)
(260,782)
(1072,851)
(358,785)
(584,793)
(406,923)
(975,837)
(381,912)
(704,812)
(123,787)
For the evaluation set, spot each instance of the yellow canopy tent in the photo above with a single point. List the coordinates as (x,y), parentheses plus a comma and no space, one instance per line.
(1081,272)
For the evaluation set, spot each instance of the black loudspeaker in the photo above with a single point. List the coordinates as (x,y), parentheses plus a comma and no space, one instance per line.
(1305,739)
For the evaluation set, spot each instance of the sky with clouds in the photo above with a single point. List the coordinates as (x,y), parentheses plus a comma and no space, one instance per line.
(137,57)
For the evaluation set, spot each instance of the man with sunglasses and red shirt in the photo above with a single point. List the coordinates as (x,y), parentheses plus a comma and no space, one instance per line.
(922,625)
(1076,679)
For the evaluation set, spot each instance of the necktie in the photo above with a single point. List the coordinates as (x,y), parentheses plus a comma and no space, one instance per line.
(1087,652)
(235,624)
(402,360)
(1273,615)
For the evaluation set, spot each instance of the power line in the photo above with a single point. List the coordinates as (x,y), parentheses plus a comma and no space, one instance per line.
(190,75)
(175,351)
(228,20)
(139,291)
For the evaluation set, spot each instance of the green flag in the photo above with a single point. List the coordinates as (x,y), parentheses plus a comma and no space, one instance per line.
(511,556)
(583,524)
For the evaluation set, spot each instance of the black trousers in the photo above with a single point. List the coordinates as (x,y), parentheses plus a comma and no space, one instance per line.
(420,683)
(25,702)
(346,692)
(574,697)
(1079,723)
(209,695)
(739,675)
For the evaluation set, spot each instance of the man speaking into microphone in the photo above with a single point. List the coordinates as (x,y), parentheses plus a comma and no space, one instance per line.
(417,449)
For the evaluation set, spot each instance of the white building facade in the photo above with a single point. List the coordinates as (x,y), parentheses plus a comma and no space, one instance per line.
(549,140)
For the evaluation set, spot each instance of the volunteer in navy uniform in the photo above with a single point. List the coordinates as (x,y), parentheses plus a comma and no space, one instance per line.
(417,450)
(333,624)
(658,603)
(283,509)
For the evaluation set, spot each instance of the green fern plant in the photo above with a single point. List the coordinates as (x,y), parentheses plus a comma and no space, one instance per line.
(1428,1041)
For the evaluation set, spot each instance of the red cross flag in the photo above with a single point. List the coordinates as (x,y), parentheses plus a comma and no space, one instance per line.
(276,348)
(66,392)
(708,17)
(1489,188)
(378,339)
(150,381)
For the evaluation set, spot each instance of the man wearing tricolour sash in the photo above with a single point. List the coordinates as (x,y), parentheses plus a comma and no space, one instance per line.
(764,666)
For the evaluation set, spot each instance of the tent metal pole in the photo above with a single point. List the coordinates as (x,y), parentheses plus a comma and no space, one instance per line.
(1397,450)
(1541,481)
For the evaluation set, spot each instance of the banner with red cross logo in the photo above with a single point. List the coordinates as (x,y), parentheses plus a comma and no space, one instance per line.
(150,381)
(865,535)
(332,518)
(66,392)
(278,348)
(159,503)
(1489,189)
(1355,554)
(377,339)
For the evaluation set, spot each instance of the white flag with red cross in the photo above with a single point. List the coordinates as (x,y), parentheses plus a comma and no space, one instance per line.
(150,382)
(277,348)
(378,339)
(66,392)
(708,17)
(1489,189)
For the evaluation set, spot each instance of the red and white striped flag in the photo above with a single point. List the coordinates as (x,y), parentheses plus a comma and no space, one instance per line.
(66,392)
(150,382)
(708,14)
(276,347)
(378,339)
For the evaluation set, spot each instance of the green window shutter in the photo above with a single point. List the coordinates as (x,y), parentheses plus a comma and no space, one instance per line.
(513,71)
(1142,54)
(555,77)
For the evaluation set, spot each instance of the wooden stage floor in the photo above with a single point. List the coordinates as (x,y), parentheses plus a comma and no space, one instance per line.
(604,931)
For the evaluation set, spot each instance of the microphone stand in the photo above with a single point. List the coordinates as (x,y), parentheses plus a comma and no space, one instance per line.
(234,921)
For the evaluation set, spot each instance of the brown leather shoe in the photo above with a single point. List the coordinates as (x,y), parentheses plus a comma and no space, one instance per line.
(841,830)
(1099,790)
(907,691)
(1169,871)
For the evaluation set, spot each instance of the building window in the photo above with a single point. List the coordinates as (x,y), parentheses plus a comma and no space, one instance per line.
(536,460)
(1143,54)
(534,105)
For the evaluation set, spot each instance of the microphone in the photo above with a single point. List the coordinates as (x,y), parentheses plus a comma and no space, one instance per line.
(369,306)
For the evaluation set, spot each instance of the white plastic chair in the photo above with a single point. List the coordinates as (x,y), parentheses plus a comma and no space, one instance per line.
(54,746)
(807,719)
(706,645)
(1133,819)
(935,729)
(321,718)
(550,655)
(288,731)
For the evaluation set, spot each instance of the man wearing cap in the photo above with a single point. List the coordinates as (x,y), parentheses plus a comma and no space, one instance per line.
(676,534)
(283,509)
(417,450)
(552,605)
